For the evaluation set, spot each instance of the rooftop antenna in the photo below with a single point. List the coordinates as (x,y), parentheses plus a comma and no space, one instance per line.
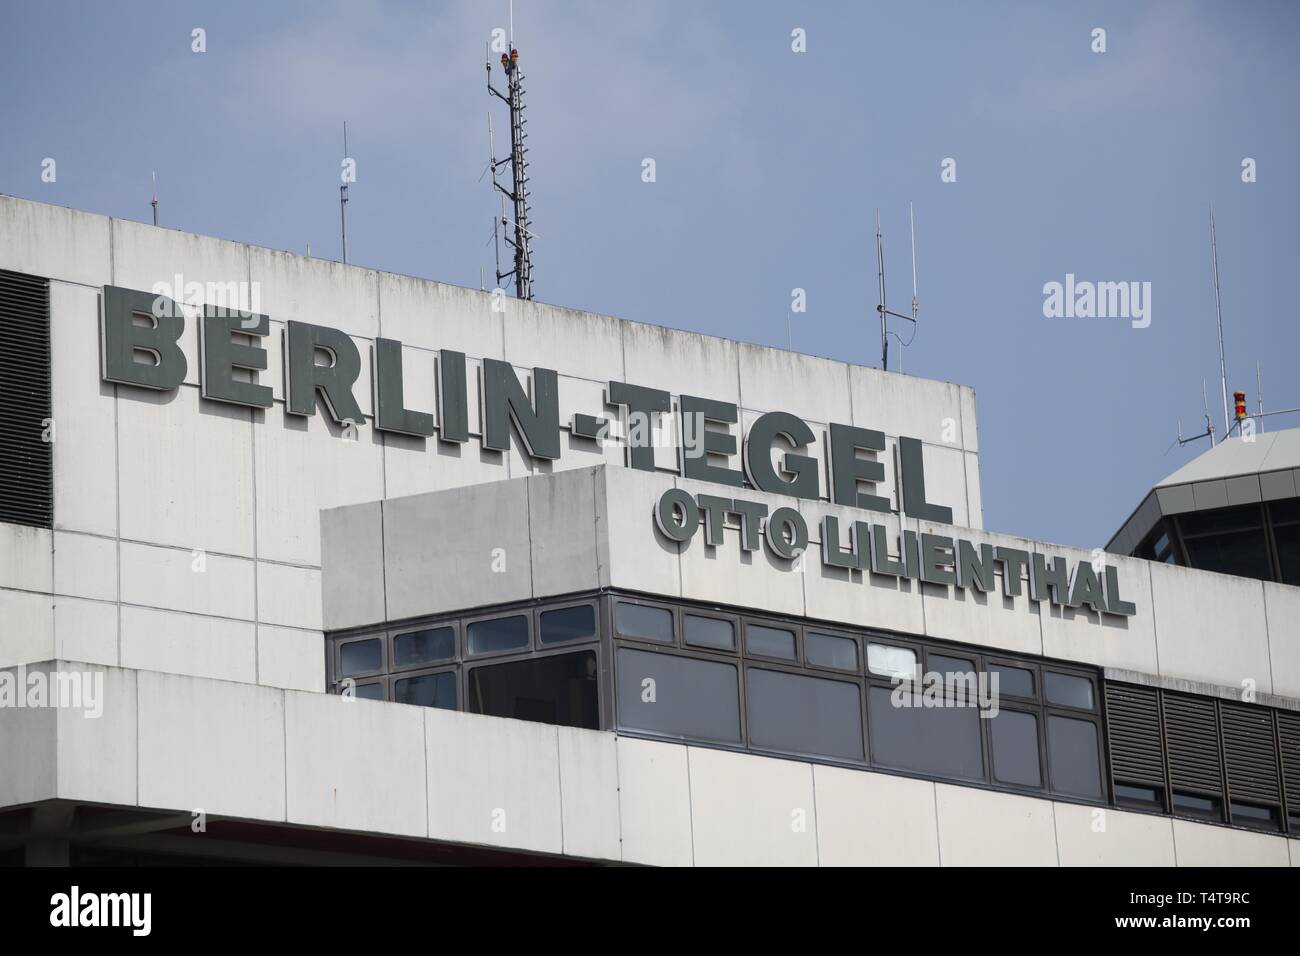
(1209,424)
(1259,394)
(519,237)
(1218,313)
(882,308)
(154,203)
(343,198)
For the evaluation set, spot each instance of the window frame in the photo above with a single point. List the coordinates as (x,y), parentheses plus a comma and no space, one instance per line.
(527,613)
(674,614)
(456,648)
(775,624)
(541,609)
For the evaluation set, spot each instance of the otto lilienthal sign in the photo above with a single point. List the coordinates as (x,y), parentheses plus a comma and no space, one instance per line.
(141,331)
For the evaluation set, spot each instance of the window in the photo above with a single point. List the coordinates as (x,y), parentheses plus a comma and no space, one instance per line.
(770,641)
(1015,681)
(826,650)
(709,632)
(423,647)
(1139,798)
(1014,737)
(555,689)
(1195,805)
(361,657)
(943,741)
(373,691)
(1072,756)
(678,696)
(804,715)
(498,634)
(888,661)
(427,690)
(1068,690)
(644,622)
(576,623)
(1230,540)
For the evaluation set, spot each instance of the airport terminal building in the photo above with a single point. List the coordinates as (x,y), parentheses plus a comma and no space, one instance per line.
(306,563)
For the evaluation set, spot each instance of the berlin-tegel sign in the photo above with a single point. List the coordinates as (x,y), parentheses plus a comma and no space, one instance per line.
(706,439)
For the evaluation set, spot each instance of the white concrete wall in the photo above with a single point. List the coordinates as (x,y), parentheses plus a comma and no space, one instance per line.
(170,742)
(144,480)
(593,528)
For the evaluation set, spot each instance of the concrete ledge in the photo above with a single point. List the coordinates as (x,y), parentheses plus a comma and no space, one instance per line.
(236,751)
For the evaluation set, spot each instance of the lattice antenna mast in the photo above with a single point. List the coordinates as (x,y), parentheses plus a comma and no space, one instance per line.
(516,234)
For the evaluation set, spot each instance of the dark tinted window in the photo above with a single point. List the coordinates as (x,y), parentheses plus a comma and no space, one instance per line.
(936,740)
(420,647)
(826,650)
(709,632)
(427,690)
(769,641)
(559,689)
(1068,690)
(498,634)
(1250,815)
(645,622)
(1132,795)
(1015,681)
(1015,748)
(679,696)
(360,657)
(1195,805)
(568,624)
(1072,756)
(369,691)
(804,715)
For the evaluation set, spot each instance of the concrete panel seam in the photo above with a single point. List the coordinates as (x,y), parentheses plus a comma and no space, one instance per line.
(690,803)
(559,783)
(938,831)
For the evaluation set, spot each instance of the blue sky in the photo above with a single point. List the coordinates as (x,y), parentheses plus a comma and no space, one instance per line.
(769,165)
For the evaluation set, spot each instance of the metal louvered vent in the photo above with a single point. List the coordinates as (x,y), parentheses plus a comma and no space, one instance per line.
(1133,719)
(26,457)
(1191,733)
(1250,753)
(1288,732)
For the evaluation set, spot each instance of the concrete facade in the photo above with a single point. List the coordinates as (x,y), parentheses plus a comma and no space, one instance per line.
(262,754)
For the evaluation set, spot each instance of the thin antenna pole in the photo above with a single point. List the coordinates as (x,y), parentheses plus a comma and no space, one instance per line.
(343,198)
(1205,400)
(1259,393)
(880,267)
(154,203)
(1218,313)
(911,216)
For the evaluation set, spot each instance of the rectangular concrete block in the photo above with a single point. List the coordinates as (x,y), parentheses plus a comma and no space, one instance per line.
(457,549)
(749,811)
(766,375)
(654,801)
(899,404)
(352,566)
(28,632)
(193,581)
(1200,844)
(1282,612)
(589,793)
(54,242)
(319,291)
(305,466)
(574,343)
(341,754)
(289,596)
(190,644)
(493,781)
(97,736)
(1210,627)
(874,819)
(85,631)
(681,362)
(85,415)
(1097,836)
(26,558)
(211,745)
(434,315)
(85,566)
(169,441)
(28,740)
(639,557)
(290,658)
(566,531)
(986,828)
